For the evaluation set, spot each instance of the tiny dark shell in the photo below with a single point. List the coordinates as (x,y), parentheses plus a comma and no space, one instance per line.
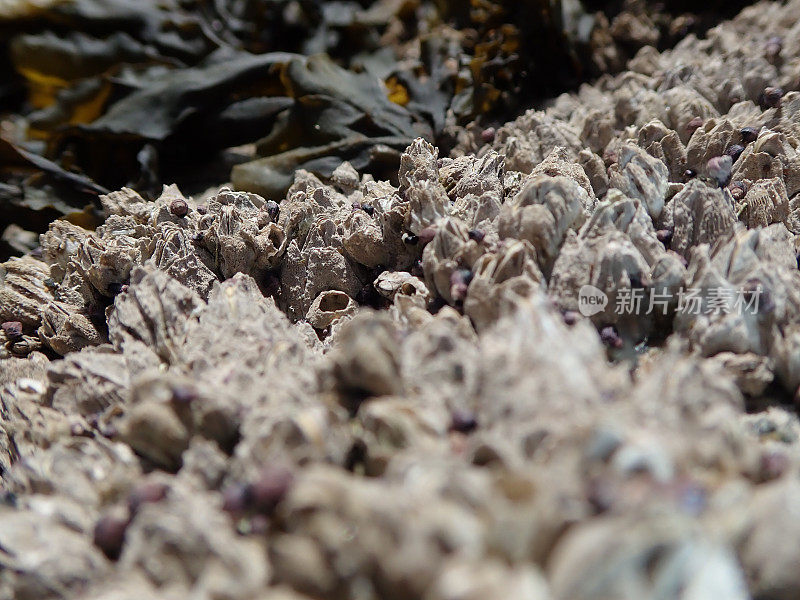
(426,235)
(270,488)
(695,124)
(145,493)
(477,235)
(749,134)
(13,330)
(771,97)
(236,498)
(664,236)
(488,135)
(734,151)
(109,535)
(610,337)
(463,421)
(179,208)
(273,210)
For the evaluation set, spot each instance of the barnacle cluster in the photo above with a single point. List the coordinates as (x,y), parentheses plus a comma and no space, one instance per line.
(364,390)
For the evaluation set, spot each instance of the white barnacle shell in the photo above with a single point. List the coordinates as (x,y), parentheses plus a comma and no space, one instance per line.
(542,213)
(22,290)
(701,214)
(639,175)
(328,307)
(765,203)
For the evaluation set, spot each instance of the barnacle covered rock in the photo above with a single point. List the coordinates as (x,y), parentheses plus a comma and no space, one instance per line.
(494,362)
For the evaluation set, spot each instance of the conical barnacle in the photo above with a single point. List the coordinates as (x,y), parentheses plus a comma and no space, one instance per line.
(752,373)
(60,243)
(154,312)
(329,306)
(475,185)
(711,139)
(366,360)
(561,163)
(629,216)
(528,140)
(230,238)
(418,163)
(786,356)
(345,178)
(678,559)
(55,544)
(771,155)
(765,203)
(471,175)
(684,104)
(756,296)
(595,170)
(769,512)
(604,257)
(105,265)
(127,203)
(176,254)
(319,265)
(88,381)
(363,240)
(665,145)
(451,249)
(636,104)
(512,266)
(597,130)
(149,545)
(428,205)
(542,213)
(66,328)
(23,290)
(639,175)
(701,214)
